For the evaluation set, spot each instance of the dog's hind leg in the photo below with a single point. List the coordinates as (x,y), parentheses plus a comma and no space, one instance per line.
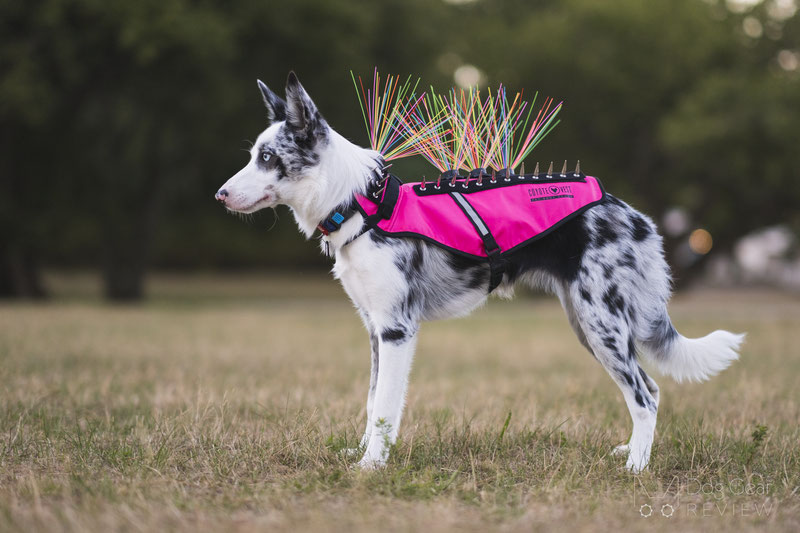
(652,387)
(566,302)
(604,321)
(396,345)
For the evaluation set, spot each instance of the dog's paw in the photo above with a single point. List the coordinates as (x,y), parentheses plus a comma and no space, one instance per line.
(635,467)
(351,452)
(370,463)
(622,449)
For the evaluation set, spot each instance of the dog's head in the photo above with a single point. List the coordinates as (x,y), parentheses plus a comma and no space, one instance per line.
(284,158)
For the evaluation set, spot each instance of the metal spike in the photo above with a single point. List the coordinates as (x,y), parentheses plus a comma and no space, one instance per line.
(564,169)
(550,170)
(536,170)
(422,187)
(522,173)
(578,168)
(494,177)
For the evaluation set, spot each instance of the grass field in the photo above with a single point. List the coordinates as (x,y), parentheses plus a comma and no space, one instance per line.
(225,405)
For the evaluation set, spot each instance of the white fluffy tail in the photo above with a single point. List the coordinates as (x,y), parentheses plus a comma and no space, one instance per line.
(698,359)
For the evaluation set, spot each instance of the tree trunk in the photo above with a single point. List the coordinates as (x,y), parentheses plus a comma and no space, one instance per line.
(20,275)
(124,272)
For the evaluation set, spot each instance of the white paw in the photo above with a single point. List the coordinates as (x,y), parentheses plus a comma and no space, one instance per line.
(371,463)
(622,449)
(635,467)
(351,452)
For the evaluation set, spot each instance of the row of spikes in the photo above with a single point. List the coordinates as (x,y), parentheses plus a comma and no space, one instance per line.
(453,130)
(479,174)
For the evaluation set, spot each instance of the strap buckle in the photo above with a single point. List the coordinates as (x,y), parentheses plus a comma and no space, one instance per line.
(332,223)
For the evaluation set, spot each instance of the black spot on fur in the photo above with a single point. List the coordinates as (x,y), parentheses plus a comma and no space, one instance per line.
(280,167)
(614,200)
(415,263)
(604,233)
(297,153)
(394,335)
(410,303)
(411,265)
(614,301)
(373,340)
(607,270)
(631,348)
(628,260)
(639,399)
(478,278)
(380,240)
(475,272)
(558,253)
(661,335)
(586,296)
(640,228)
(610,343)
(628,379)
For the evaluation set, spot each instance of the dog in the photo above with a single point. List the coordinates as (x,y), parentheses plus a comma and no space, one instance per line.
(606,266)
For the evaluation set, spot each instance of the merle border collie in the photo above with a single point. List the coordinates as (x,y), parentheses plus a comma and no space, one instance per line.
(606,266)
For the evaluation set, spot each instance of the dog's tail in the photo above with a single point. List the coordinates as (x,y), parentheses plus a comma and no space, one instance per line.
(689,359)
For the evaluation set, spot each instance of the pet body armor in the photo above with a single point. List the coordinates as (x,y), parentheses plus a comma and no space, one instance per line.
(482,217)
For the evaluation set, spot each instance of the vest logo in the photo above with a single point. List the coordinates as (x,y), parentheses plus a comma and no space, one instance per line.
(550,192)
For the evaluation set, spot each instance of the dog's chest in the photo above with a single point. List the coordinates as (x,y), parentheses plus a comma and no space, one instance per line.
(369,275)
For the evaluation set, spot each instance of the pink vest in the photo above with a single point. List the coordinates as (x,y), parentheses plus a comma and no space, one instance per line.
(512,213)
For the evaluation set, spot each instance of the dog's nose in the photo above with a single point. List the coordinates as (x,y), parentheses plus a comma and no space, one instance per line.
(221,196)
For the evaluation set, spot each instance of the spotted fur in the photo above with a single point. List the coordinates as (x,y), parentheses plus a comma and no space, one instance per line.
(606,266)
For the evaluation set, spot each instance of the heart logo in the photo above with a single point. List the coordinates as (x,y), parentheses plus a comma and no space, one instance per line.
(553,189)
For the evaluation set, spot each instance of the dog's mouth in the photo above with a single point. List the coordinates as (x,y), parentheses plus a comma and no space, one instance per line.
(268,200)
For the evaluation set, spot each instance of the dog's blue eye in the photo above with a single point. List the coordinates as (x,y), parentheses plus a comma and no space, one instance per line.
(265,156)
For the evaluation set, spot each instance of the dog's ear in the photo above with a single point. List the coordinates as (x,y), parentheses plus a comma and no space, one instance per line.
(302,114)
(276,107)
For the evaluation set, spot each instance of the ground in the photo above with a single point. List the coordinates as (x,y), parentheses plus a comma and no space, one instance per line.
(226,404)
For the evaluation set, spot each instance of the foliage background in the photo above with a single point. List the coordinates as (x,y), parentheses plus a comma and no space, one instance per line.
(121,119)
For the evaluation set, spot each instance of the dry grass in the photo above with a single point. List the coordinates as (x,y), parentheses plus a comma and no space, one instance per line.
(224,405)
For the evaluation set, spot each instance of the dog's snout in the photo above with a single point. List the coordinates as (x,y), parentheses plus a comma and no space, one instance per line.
(221,196)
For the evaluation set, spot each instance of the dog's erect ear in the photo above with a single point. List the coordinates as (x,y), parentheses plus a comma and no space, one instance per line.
(302,114)
(276,107)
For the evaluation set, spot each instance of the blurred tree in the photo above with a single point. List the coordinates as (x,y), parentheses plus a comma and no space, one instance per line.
(670,103)
(121,119)
(107,101)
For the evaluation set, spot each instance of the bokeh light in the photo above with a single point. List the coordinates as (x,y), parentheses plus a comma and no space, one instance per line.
(700,241)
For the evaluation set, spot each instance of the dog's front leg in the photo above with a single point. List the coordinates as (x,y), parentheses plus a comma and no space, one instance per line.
(373,384)
(395,353)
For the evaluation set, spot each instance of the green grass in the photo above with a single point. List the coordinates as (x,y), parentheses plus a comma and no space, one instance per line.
(226,405)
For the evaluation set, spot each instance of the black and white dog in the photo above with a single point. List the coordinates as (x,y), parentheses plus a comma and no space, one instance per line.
(606,266)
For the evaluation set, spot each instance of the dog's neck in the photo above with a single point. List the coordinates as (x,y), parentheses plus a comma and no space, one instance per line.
(344,171)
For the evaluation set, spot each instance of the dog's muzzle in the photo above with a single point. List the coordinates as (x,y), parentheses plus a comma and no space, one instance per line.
(221,196)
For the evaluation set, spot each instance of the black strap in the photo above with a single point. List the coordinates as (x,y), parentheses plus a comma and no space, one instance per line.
(497,266)
(335,220)
(386,198)
(383,192)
